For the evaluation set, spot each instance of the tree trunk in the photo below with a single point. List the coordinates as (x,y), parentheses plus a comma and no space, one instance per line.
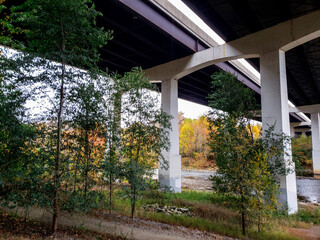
(133,206)
(134,187)
(110,193)
(243,224)
(117,105)
(75,174)
(87,154)
(117,110)
(111,156)
(57,162)
(243,218)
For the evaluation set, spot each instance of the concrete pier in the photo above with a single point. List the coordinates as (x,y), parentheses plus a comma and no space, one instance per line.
(275,111)
(315,129)
(171,177)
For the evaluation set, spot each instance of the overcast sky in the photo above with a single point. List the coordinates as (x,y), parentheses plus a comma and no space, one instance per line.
(191,110)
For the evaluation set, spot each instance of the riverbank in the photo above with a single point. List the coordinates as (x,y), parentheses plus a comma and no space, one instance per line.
(308,188)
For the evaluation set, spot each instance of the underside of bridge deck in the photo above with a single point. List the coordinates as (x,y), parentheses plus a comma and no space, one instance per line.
(146,34)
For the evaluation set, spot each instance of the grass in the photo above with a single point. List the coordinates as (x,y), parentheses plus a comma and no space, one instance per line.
(210,215)
(279,234)
(196,223)
(307,216)
(192,196)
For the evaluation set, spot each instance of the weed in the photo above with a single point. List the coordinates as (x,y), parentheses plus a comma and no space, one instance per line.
(82,227)
(308,216)
(304,218)
(99,225)
(211,215)
(215,212)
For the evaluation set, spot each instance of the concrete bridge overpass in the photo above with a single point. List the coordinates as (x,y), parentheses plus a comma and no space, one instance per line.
(280,39)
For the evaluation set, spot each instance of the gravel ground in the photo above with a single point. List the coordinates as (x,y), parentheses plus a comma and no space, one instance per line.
(196,179)
(196,183)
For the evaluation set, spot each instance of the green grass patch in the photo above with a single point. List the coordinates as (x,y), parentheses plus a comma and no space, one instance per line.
(192,196)
(211,215)
(197,223)
(279,234)
(308,215)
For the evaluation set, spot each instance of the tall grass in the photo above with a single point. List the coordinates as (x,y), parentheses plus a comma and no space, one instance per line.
(210,215)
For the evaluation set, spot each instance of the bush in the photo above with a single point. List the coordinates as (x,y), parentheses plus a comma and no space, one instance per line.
(302,154)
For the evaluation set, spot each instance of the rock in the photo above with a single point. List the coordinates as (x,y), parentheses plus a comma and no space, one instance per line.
(168,210)
(184,210)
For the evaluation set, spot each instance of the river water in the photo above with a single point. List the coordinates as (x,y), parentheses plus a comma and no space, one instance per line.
(308,188)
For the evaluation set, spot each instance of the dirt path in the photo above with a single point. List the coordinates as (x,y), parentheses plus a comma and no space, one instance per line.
(121,226)
(306,234)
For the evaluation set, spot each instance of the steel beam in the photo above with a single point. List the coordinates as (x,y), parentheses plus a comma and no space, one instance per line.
(156,17)
(174,30)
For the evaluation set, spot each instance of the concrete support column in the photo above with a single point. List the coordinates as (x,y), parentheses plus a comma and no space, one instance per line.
(275,111)
(315,131)
(171,177)
(292,131)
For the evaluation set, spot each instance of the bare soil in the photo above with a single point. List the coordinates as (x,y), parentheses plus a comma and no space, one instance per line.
(14,227)
(312,233)
(117,225)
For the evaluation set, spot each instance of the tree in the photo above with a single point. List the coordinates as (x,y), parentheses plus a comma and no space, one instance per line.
(21,168)
(60,34)
(88,118)
(193,135)
(114,90)
(18,152)
(246,165)
(186,138)
(144,134)
(14,133)
(7,28)
(302,154)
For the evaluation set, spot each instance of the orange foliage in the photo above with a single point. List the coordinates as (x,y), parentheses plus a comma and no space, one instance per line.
(193,140)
